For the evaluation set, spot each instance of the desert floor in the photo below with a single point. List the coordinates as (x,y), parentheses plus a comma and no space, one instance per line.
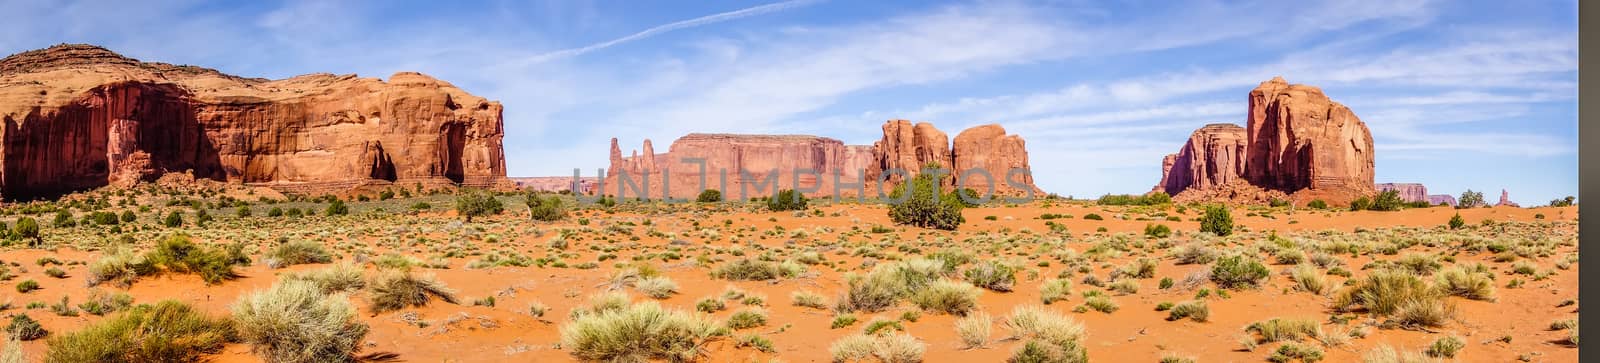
(685,242)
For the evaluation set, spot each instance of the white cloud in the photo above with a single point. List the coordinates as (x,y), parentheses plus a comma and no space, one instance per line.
(657,30)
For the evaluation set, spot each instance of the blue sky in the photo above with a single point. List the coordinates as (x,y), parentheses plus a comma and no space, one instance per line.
(1458,94)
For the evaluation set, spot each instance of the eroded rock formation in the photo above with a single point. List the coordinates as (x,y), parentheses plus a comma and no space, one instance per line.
(1410,192)
(1446,199)
(1505,200)
(1213,157)
(81,116)
(752,163)
(1296,141)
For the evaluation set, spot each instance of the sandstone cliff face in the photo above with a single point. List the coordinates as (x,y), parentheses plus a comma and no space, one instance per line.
(1410,192)
(1302,142)
(79,116)
(1436,199)
(1296,141)
(988,148)
(909,148)
(748,161)
(1213,156)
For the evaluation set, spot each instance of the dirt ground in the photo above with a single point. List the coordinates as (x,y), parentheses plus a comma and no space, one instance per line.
(704,236)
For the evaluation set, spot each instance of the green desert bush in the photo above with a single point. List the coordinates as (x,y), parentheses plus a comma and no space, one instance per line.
(1445,347)
(1388,200)
(1217,221)
(787,200)
(24,328)
(477,203)
(547,209)
(297,253)
(947,296)
(747,318)
(168,331)
(924,206)
(1234,272)
(180,255)
(294,322)
(709,196)
(1194,310)
(1156,230)
(640,332)
(395,290)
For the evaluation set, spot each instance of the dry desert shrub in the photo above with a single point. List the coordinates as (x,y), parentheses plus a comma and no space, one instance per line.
(947,296)
(297,253)
(168,331)
(343,277)
(974,329)
(640,332)
(658,287)
(393,290)
(892,348)
(294,321)
(1387,354)
(809,299)
(1055,289)
(1055,333)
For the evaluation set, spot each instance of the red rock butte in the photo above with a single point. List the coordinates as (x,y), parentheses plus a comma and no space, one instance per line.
(81,116)
(748,161)
(1297,144)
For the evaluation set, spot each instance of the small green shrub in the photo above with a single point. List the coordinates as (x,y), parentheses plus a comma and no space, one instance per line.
(1217,221)
(477,203)
(709,196)
(1194,310)
(1234,272)
(924,207)
(24,328)
(787,200)
(547,209)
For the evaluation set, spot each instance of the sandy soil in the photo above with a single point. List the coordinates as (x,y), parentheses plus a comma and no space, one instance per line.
(1135,332)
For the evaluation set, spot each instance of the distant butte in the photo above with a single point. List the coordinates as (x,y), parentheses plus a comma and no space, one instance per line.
(1297,144)
(904,146)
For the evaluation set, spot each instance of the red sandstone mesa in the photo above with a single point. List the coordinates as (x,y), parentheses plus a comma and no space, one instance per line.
(1410,192)
(1296,141)
(81,116)
(904,146)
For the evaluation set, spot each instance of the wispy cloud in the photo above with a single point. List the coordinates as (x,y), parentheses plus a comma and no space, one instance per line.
(657,30)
